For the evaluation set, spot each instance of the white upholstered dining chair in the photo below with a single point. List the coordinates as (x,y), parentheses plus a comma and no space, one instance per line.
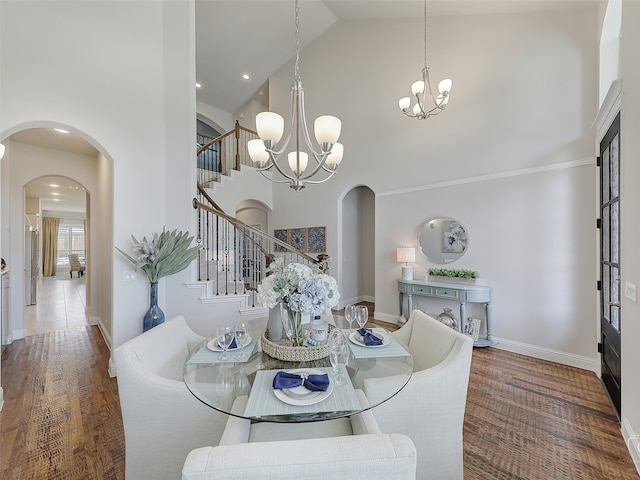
(430,408)
(357,457)
(162,420)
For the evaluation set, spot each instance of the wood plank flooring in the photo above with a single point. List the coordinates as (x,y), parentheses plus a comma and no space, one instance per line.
(525,418)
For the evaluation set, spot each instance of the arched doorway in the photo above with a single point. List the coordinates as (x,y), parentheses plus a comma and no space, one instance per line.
(33,153)
(358,246)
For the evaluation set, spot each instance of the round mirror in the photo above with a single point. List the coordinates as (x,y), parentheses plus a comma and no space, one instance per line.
(443,240)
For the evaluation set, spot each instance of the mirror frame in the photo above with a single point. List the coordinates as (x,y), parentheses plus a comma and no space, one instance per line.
(443,240)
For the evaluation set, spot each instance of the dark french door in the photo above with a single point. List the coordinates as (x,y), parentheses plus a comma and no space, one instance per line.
(610,320)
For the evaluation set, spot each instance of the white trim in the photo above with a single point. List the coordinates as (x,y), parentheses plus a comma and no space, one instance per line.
(1,398)
(385,317)
(112,367)
(633,442)
(492,176)
(610,107)
(564,358)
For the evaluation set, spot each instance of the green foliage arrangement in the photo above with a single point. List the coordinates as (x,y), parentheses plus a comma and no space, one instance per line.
(452,272)
(165,254)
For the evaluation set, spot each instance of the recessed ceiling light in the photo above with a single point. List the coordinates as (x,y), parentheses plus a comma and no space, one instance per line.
(56,200)
(55,193)
(75,187)
(55,185)
(61,130)
(246,76)
(198,85)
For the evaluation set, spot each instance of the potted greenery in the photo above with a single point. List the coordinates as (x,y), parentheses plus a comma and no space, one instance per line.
(165,254)
(456,274)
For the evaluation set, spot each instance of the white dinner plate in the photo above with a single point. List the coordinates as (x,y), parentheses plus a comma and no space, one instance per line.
(302,395)
(213,345)
(356,338)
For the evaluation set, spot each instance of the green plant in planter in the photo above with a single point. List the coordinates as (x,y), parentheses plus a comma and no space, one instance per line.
(453,272)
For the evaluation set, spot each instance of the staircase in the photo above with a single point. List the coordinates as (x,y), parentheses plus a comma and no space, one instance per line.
(235,256)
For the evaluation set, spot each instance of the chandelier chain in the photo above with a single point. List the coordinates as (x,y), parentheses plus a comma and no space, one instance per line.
(425,33)
(297,67)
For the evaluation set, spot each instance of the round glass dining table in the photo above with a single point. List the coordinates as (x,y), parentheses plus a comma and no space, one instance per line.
(375,373)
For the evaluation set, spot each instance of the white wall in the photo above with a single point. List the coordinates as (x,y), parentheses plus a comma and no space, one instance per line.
(630,229)
(130,94)
(512,158)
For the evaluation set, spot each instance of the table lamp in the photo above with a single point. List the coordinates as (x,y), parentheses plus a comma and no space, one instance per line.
(406,255)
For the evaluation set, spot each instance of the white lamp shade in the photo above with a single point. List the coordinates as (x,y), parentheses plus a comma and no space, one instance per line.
(335,157)
(304,158)
(416,109)
(417,87)
(270,126)
(327,129)
(404,103)
(1,150)
(406,254)
(257,151)
(445,85)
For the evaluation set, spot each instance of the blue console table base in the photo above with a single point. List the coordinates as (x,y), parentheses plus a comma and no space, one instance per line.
(450,291)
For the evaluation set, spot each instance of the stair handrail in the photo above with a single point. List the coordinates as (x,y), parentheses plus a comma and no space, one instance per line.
(236,131)
(241,224)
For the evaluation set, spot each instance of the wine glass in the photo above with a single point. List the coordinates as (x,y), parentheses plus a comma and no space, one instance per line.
(225,337)
(362,315)
(241,334)
(350,315)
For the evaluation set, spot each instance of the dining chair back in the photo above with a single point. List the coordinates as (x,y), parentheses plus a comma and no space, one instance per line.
(430,408)
(356,457)
(162,420)
(75,265)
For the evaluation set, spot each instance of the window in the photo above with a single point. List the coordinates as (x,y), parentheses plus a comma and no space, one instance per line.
(71,239)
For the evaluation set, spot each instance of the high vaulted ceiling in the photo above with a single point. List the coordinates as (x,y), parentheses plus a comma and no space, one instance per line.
(257,37)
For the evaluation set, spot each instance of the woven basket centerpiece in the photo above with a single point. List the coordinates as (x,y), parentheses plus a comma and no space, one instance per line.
(284,350)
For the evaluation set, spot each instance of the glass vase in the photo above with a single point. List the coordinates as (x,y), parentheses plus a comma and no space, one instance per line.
(294,327)
(154,316)
(274,324)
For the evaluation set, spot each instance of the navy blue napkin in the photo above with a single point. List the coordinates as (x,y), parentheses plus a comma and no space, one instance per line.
(231,347)
(368,337)
(317,383)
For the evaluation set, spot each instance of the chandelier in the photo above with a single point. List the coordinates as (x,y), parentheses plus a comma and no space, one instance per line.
(266,154)
(422,109)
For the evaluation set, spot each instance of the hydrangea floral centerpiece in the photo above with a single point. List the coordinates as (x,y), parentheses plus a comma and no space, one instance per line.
(303,289)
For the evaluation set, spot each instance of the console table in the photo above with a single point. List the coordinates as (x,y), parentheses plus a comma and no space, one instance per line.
(450,291)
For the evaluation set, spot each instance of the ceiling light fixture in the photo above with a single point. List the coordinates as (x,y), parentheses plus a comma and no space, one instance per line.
(421,110)
(246,76)
(270,126)
(198,85)
(61,130)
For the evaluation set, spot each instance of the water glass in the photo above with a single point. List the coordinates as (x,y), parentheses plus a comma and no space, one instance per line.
(241,334)
(225,338)
(337,358)
(362,315)
(350,316)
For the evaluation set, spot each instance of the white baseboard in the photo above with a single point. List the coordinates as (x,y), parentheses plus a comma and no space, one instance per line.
(578,361)
(633,442)
(1,398)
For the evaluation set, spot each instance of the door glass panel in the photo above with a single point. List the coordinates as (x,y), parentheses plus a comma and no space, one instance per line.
(615,177)
(615,232)
(606,293)
(606,229)
(615,298)
(605,176)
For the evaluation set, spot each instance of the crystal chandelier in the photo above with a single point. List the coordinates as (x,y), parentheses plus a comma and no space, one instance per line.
(422,109)
(265,153)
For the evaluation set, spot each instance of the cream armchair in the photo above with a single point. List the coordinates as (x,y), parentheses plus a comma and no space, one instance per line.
(430,408)
(162,420)
(356,457)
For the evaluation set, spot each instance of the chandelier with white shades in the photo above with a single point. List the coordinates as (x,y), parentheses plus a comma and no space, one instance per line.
(266,154)
(422,108)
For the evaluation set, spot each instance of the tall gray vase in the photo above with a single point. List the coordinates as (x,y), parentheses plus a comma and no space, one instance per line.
(274,324)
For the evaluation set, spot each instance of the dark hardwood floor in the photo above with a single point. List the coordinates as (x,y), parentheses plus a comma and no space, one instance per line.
(525,418)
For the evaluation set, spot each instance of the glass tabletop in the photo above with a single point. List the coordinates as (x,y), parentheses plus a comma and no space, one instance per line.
(249,372)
